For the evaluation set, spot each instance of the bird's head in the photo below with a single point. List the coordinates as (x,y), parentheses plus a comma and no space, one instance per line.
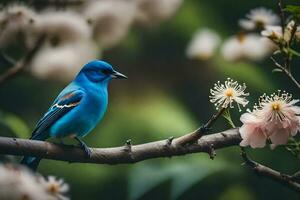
(100,71)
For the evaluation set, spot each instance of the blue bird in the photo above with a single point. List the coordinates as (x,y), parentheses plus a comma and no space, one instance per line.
(77,109)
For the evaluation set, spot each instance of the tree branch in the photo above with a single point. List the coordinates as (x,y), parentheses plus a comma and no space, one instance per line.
(135,153)
(20,65)
(287,180)
(116,155)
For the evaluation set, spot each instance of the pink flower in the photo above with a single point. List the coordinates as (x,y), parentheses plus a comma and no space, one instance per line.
(252,132)
(276,117)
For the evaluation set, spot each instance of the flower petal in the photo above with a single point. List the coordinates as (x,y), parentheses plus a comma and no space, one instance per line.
(280,136)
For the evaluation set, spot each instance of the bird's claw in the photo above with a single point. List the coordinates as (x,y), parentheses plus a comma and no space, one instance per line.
(86,149)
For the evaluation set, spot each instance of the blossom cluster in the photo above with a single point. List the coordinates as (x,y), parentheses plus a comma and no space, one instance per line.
(276,117)
(29,186)
(85,31)
(260,35)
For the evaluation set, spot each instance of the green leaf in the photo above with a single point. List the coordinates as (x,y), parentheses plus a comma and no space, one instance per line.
(143,178)
(188,174)
(276,70)
(295,53)
(294,10)
(15,124)
(182,173)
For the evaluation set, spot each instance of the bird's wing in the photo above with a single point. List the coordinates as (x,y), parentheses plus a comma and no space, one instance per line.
(61,106)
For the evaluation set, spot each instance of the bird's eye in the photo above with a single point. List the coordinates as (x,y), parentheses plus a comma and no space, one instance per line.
(106,71)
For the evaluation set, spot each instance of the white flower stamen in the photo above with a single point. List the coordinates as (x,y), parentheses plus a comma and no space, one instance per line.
(275,32)
(56,187)
(223,95)
(273,106)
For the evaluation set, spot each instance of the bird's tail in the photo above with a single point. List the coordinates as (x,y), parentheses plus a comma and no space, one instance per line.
(33,162)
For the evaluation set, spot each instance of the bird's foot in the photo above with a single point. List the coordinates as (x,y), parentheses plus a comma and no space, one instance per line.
(84,147)
(87,150)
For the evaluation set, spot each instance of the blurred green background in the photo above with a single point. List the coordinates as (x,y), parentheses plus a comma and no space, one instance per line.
(166,95)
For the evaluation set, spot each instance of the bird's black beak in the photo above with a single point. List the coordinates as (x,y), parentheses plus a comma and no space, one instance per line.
(118,75)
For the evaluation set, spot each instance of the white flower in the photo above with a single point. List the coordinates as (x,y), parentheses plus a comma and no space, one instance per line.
(276,117)
(68,47)
(272,32)
(63,27)
(55,187)
(15,20)
(18,183)
(151,12)
(288,31)
(110,20)
(64,62)
(258,18)
(247,46)
(275,32)
(223,95)
(203,45)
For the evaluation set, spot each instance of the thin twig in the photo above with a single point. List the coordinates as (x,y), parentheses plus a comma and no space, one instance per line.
(265,171)
(287,72)
(284,45)
(194,136)
(21,65)
(296,176)
(281,14)
(117,155)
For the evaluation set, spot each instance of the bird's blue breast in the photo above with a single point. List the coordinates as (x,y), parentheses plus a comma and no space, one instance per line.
(84,117)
